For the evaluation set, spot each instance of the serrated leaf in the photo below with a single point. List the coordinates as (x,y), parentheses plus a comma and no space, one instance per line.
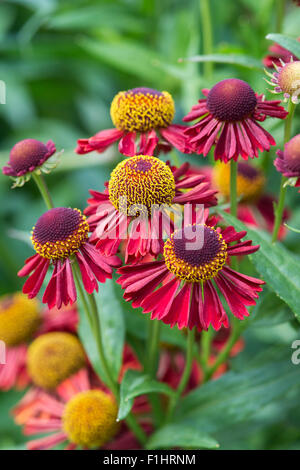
(136,383)
(234,59)
(287,42)
(183,436)
(276,265)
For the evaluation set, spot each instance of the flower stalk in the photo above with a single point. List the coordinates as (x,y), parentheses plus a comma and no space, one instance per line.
(279,208)
(42,186)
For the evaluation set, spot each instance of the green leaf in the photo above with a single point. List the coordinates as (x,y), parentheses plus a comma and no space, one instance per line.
(234,59)
(112,325)
(132,58)
(137,383)
(183,436)
(238,396)
(276,265)
(287,42)
(112,329)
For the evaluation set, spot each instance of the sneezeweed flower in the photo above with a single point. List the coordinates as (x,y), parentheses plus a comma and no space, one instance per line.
(53,357)
(30,156)
(288,161)
(149,187)
(143,124)
(256,208)
(77,414)
(286,80)
(21,320)
(188,296)
(60,237)
(229,119)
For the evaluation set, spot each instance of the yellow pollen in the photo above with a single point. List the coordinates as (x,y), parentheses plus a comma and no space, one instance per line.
(61,249)
(289,77)
(249,187)
(139,182)
(19,318)
(142,111)
(203,271)
(53,357)
(90,419)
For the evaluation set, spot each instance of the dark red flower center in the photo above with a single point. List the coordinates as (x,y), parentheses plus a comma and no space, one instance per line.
(206,239)
(144,91)
(248,171)
(27,154)
(292,153)
(195,253)
(231,100)
(59,232)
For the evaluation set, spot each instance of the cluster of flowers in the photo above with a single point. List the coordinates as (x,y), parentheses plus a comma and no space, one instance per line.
(181,273)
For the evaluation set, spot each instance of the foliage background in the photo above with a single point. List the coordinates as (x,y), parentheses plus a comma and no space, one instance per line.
(62,62)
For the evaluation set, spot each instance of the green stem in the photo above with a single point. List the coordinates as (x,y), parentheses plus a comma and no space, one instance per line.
(233,188)
(279,208)
(224,354)
(207,36)
(153,348)
(185,375)
(90,309)
(41,184)
(280,9)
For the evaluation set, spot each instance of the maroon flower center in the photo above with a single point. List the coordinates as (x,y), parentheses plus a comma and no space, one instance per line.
(144,91)
(56,224)
(292,153)
(231,100)
(189,238)
(59,232)
(27,154)
(195,253)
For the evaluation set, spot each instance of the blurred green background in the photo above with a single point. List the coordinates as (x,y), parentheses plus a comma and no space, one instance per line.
(63,61)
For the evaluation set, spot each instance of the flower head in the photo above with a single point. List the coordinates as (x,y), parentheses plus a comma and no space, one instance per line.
(229,117)
(90,418)
(141,182)
(77,413)
(19,319)
(143,124)
(60,237)
(136,206)
(286,80)
(195,263)
(53,357)
(288,160)
(29,156)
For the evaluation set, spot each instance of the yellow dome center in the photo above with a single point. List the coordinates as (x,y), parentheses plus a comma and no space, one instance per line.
(142,109)
(138,183)
(195,253)
(89,419)
(53,357)
(289,77)
(19,319)
(250,181)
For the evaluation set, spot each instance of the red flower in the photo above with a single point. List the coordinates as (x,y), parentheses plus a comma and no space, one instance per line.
(60,237)
(288,161)
(278,53)
(20,321)
(146,182)
(188,273)
(29,156)
(143,124)
(229,117)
